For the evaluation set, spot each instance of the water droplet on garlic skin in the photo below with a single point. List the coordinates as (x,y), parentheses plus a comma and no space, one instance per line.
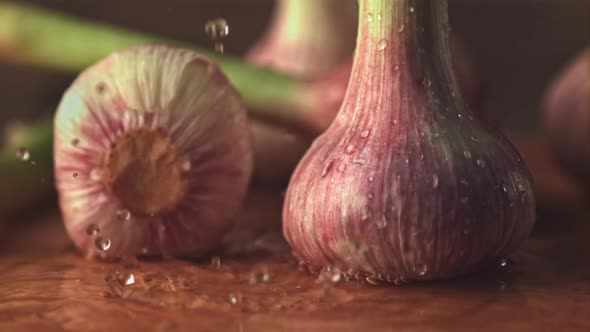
(123,215)
(129,280)
(481,163)
(349,149)
(217,29)
(341,168)
(23,154)
(434,181)
(421,269)
(216,262)
(102,244)
(92,230)
(369,17)
(235,298)
(382,44)
(467,154)
(365,133)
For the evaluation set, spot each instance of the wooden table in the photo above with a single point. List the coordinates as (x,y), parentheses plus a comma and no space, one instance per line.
(46,286)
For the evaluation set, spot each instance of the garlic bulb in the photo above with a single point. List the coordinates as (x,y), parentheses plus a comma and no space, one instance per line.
(153,154)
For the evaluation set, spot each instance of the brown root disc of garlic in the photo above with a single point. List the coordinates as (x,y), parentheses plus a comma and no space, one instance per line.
(567,117)
(406,183)
(153,154)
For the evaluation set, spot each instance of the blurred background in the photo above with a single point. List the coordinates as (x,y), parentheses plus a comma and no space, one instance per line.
(518,46)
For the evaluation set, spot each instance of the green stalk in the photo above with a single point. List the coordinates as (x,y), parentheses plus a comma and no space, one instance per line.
(42,37)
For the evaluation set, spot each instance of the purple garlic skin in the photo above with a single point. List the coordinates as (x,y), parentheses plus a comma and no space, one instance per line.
(406,184)
(153,154)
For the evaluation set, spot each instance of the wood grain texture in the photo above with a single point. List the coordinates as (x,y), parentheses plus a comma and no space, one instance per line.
(46,286)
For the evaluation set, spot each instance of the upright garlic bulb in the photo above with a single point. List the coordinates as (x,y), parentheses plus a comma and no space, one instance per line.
(152,154)
(406,184)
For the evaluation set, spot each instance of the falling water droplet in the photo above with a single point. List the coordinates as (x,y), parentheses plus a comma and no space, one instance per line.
(481,163)
(365,133)
(217,30)
(92,230)
(75,142)
(102,243)
(349,149)
(23,154)
(467,154)
(123,215)
(382,44)
(421,269)
(434,181)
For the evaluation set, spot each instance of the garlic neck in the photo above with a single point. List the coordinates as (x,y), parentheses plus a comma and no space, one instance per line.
(402,54)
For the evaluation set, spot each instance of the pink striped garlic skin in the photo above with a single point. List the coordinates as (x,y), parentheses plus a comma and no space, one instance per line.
(152,154)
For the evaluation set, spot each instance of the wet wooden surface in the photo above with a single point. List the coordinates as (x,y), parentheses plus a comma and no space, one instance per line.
(46,286)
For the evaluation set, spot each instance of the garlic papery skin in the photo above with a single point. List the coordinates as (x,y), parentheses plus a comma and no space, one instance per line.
(406,184)
(153,154)
(307,38)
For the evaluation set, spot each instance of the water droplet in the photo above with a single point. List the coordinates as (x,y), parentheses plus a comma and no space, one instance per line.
(467,154)
(407,161)
(216,262)
(396,68)
(341,168)
(349,149)
(365,133)
(401,28)
(75,175)
(331,275)
(186,166)
(411,9)
(369,17)
(217,29)
(378,16)
(434,181)
(371,179)
(464,182)
(370,195)
(475,139)
(427,83)
(129,280)
(327,169)
(421,269)
(235,298)
(503,263)
(481,163)
(96,174)
(259,276)
(504,187)
(394,121)
(75,142)
(102,243)
(92,230)
(382,44)
(460,116)
(123,215)
(23,154)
